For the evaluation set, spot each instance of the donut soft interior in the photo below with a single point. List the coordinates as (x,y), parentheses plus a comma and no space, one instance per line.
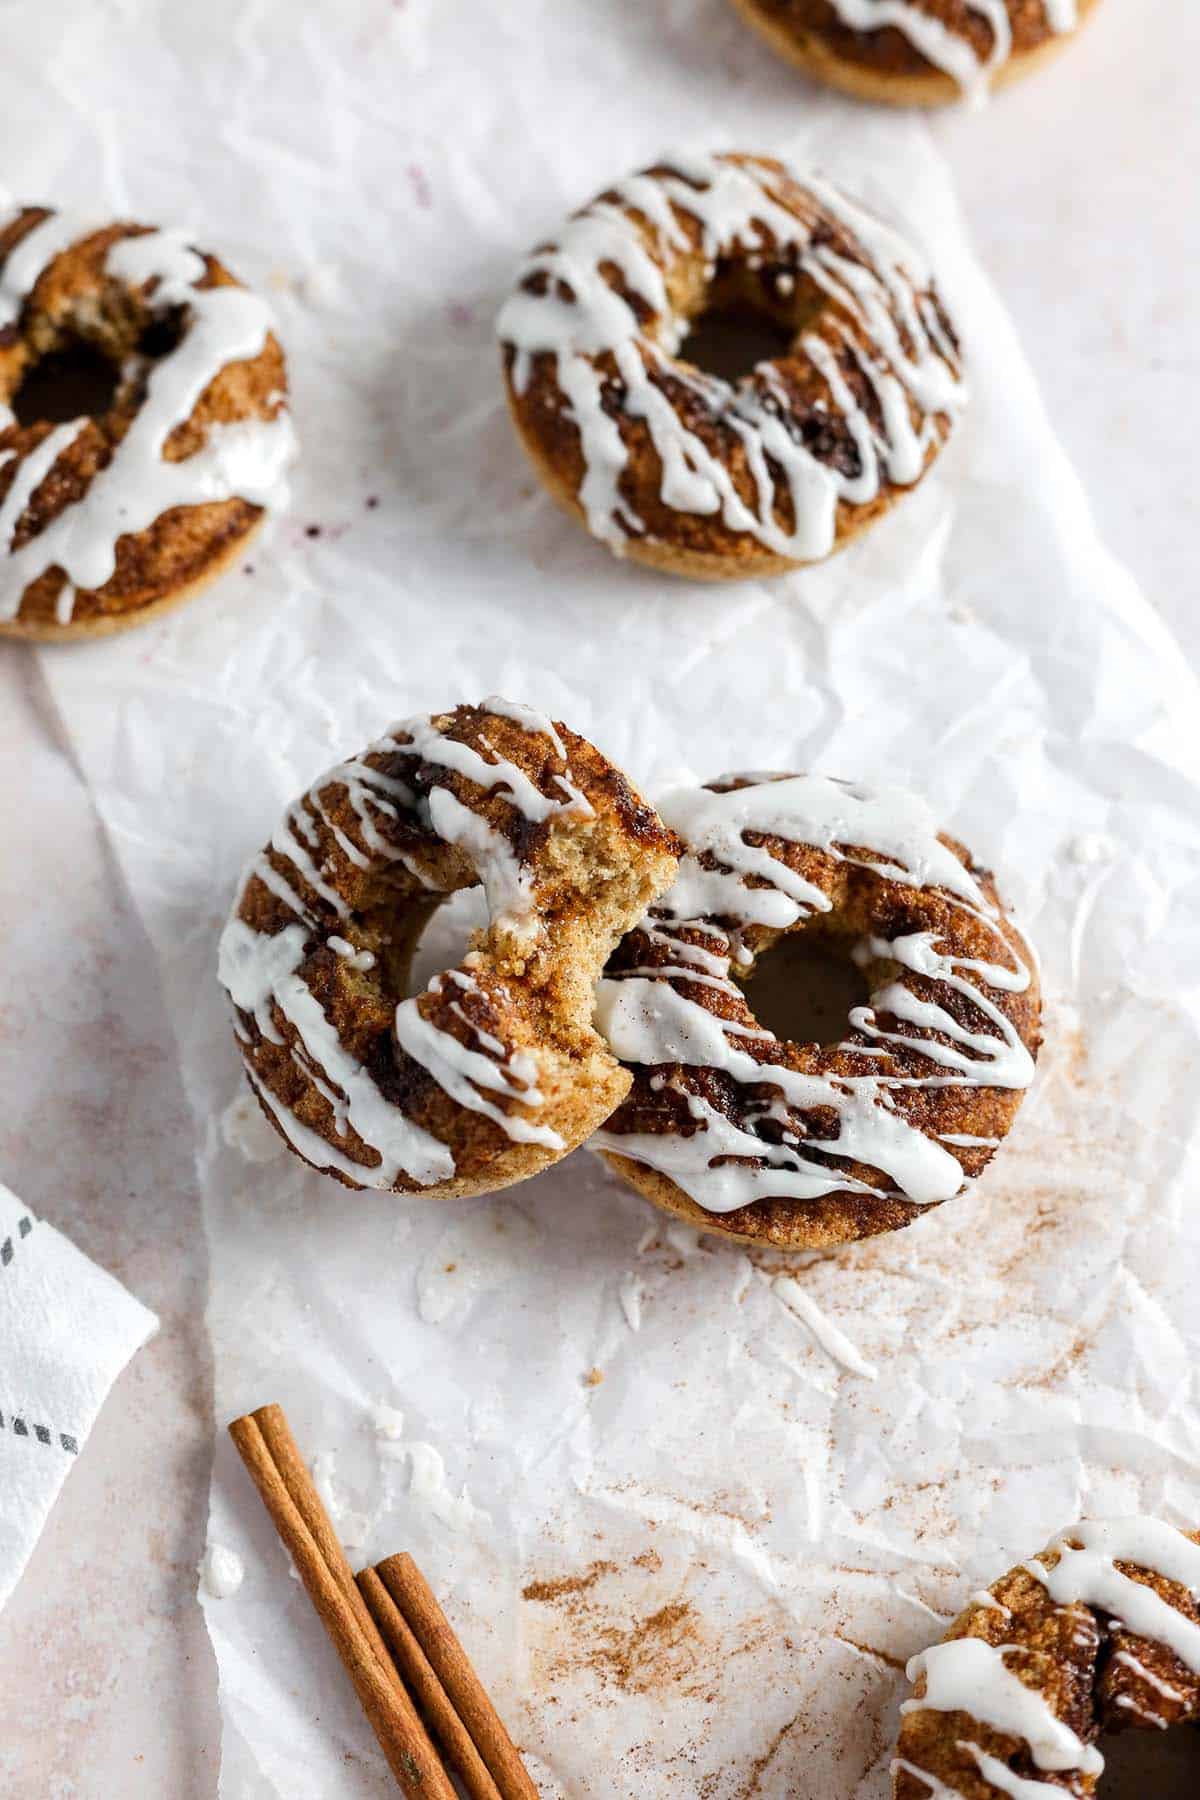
(495,1070)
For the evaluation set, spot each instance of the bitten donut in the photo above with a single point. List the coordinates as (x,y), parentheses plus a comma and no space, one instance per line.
(106,520)
(915,52)
(802,1144)
(494,1071)
(1099,1632)
(685,470)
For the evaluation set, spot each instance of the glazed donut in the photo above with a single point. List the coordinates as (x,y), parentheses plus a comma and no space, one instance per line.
(106,520)
(802,1145)
(915,52)
(494,1071)
(1099,1632)
(682,469)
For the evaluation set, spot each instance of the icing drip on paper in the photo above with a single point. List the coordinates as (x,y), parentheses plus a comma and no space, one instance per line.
(246,459)
(947,49)
(260,971)
(649,1021)
(886,322)
(969,1676)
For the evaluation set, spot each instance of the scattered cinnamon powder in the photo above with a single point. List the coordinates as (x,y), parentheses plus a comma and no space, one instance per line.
(656,1652)
(883,1656)
(565,1587)
(758,1768)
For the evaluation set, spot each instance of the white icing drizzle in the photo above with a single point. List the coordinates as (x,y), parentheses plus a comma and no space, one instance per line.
(1086,1573)
(1003,1779)
(648,1021)
(989,1601)
(244,460)
(29,476)
(936,1788)
(947,49)
(462,1072)
(883,321)
(1151,1679)
(260,970)
(970,1676)
(259,973)
(27,263)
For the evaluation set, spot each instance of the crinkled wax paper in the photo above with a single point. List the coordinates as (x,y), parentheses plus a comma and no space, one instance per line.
(691,1507)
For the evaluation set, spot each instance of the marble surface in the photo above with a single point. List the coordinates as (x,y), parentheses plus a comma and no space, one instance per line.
(1076,187)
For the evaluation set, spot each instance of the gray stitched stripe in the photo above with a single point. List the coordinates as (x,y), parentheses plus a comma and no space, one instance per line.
(6,1248)
(42,1433)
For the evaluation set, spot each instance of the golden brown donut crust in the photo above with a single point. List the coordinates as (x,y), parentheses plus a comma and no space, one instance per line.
(1075,1657)
(884,65)
(702,545)
(76,300)
(863,904)
(524,994)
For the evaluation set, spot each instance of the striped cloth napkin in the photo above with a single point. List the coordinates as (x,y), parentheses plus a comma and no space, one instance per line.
(67,1329)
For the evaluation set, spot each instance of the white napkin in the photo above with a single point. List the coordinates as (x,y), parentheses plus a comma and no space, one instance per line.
(67,1329)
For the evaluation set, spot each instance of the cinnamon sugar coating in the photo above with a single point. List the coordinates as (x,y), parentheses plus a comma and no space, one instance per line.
(885,63)
(692,473)
(831,1142)
(78,300)
(1089,1672)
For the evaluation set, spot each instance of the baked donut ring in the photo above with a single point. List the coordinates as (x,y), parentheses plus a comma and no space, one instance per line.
(494,1071)
(683,469)
(915,52)
(1099,1632)
(106,520)
(804,1145)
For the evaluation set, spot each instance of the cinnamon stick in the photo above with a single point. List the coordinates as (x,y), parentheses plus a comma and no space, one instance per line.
(293,1470)
(433,1631)
(305,1529)
(455,1740)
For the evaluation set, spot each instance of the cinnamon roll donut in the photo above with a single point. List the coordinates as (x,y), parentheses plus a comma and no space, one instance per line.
(915,52)
(495,1070)
(107,519)
(806,1145)
(1100,1632)
(683,469)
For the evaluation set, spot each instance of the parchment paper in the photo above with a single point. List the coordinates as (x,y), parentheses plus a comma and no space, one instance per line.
(690,1507)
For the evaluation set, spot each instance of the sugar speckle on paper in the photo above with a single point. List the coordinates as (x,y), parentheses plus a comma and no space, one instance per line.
(221,1572)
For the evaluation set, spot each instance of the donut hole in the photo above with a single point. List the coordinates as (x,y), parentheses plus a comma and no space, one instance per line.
(1137,1763)
(729,341)
(162,334)
(444,938)
(76,381)
(79,366)
(804,987)
(744,316)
